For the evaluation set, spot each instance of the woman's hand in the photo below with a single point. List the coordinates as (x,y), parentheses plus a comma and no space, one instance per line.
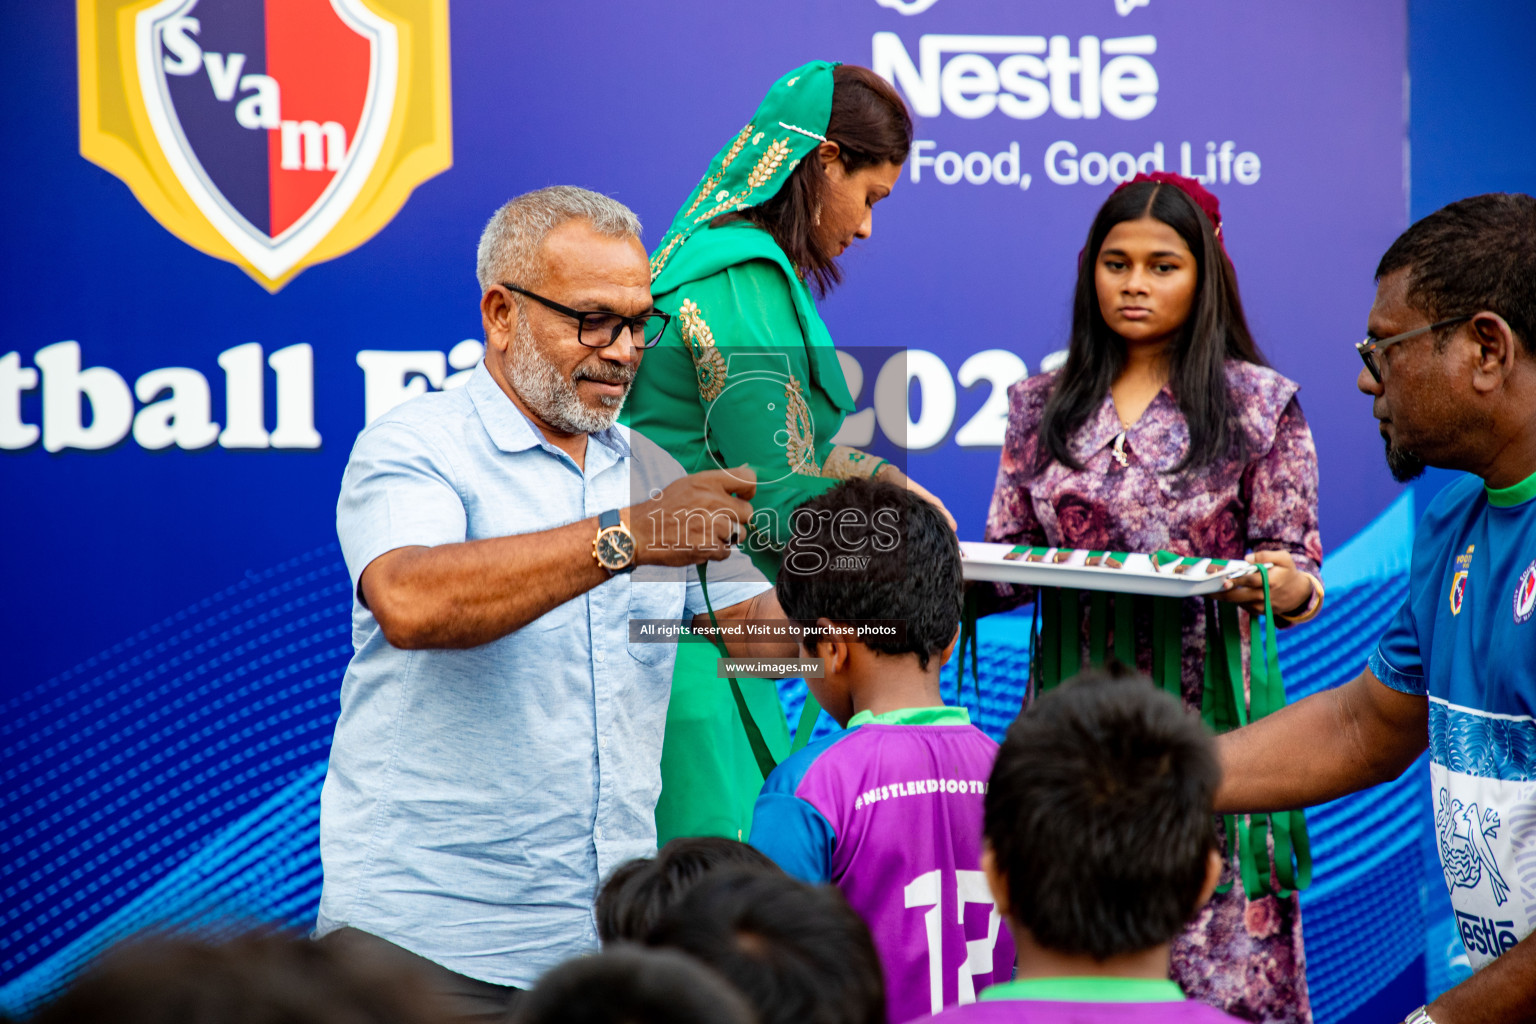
(1290,589)
(891,475)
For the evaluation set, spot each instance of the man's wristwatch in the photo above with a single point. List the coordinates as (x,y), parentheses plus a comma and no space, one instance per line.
(614,545)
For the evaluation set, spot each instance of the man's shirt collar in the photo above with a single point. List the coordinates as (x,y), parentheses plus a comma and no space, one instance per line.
(512,432)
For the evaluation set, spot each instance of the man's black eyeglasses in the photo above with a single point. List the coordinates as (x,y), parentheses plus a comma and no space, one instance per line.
(1372,345)
(599,329)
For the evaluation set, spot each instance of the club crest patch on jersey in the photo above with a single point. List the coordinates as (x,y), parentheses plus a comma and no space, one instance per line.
(1458,591)
(1525,593)
(274,134)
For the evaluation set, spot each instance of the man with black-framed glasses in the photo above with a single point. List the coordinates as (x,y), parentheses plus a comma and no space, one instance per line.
(499,745)
(1450,366)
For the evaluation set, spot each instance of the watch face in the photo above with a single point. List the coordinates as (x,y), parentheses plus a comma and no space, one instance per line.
(615,548)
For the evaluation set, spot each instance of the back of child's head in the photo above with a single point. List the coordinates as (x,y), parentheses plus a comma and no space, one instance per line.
(798,952)
(639,892)
(1099,813)
(628,984)
(261,977)
(867,552)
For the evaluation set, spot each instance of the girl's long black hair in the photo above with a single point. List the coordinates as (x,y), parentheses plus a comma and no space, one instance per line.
(1215,332)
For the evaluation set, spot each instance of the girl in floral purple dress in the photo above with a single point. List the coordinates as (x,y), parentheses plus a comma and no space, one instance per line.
(1166,429)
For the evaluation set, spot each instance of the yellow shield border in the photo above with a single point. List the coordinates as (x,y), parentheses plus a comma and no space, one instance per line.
(115,132)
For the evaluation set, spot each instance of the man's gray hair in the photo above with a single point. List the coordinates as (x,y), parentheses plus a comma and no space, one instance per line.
(510,243)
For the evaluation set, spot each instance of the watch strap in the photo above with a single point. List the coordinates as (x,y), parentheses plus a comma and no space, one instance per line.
(609,518)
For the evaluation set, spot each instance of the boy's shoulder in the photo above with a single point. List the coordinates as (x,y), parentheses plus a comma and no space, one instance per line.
(789,773)
(852,750)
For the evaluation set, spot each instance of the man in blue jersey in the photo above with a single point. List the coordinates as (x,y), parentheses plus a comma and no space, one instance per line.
(1451,368)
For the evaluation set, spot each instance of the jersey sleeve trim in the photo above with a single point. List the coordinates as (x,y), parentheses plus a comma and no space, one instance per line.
(1391,678)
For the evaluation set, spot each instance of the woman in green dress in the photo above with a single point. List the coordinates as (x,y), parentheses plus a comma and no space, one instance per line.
(748,376)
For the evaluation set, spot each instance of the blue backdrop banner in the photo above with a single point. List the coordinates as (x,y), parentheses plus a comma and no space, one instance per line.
(240,229)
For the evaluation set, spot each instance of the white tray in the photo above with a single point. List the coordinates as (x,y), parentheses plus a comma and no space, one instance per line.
(1138,575)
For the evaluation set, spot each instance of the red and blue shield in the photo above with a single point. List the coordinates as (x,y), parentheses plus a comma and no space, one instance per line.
(274,118)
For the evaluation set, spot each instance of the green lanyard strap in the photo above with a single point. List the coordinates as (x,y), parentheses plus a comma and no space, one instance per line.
(1293,849)
(1290,869)
(1168,645)
(807,723)
(765,761)
(1224,703)
(970,642)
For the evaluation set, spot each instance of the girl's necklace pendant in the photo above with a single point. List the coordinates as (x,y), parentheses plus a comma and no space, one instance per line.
(1118,451)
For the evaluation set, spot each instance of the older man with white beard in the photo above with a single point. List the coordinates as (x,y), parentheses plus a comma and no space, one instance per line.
(499,743)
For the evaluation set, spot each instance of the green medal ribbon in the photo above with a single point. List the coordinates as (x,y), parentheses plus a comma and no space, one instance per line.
(807,724)
(1224,705)
(760,751)
(969,643)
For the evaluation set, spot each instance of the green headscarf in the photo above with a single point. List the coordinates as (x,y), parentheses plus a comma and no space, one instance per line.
(750,169)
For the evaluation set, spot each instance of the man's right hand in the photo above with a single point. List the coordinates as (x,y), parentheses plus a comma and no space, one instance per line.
(698,518)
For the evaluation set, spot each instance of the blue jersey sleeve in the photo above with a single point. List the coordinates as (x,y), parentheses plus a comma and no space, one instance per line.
(1400,656)
(791,831)
(1397,661)
(794,835)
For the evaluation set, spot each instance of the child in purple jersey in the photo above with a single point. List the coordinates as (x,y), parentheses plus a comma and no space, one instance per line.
(1100,847)
(889,810)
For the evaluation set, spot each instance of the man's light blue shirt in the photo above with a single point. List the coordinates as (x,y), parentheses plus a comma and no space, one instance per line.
(475,798)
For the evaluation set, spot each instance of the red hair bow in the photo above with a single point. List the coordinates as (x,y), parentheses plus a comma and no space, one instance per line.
(1207,202)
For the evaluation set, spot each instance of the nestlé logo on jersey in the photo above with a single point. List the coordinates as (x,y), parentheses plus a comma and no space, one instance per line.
(1484,935)
(271,133)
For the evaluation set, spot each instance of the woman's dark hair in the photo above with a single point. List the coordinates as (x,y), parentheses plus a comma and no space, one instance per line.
(1215,332)
(871,127)
(640,892)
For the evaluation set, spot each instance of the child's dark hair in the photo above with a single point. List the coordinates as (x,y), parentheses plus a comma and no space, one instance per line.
(639,892)
(255,978)
(1216,331)
(1099,814)
(867,552)
(634,985)
(799,953)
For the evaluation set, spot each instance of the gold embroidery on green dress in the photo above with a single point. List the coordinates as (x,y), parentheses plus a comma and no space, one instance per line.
(741,140)
(704,191)
(708,186)
(767,166)
(714,179)
(707,361)
(801,449)
(769,163)
(847,463)
(660,259)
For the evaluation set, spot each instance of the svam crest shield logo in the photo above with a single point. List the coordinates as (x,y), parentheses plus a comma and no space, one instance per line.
(275,134)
